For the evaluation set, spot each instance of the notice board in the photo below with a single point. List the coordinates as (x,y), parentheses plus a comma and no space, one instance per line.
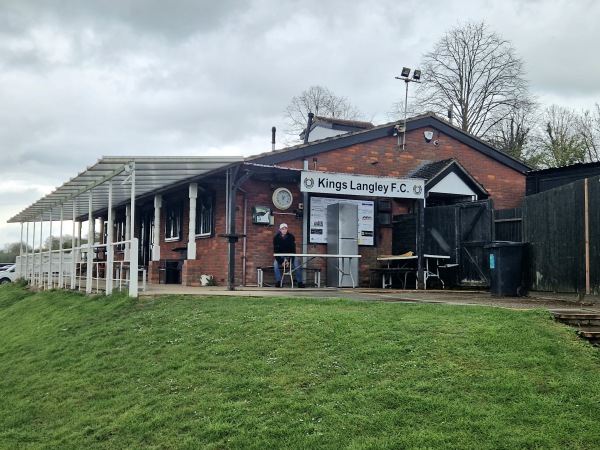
(317,226)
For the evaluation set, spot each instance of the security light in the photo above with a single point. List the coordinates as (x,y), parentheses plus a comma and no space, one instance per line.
(406,72)
(417,75)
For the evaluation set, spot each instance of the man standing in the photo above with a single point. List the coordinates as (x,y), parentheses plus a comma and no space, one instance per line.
(285,242)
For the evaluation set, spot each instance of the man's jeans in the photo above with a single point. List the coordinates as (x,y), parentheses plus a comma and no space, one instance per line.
(295,266)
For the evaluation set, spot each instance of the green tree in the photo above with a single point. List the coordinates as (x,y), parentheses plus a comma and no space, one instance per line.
(53,242)
(12,250)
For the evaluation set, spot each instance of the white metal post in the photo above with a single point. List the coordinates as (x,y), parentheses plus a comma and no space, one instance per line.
(90,249)
(40,278)
(133,269)
(73,251)
(110,250)
(61,281)
(132,231)
(50,254)
(19,267)
(32,279)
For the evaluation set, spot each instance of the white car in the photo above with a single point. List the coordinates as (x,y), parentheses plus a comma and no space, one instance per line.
(9,274)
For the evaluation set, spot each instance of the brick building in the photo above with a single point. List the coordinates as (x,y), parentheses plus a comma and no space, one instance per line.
(434,150)
(203,223)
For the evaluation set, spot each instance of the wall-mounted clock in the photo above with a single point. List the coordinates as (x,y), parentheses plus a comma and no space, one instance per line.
(282,198)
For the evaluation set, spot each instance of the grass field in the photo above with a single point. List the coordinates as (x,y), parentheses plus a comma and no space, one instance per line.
(82,372)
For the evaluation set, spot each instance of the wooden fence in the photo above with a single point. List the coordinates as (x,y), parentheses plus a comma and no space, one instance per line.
(562,228)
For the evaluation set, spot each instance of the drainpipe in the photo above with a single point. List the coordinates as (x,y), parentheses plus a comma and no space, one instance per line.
(245,239)
(305,223)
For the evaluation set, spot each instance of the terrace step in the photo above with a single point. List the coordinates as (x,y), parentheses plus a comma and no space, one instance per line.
(592,334)
(587,323)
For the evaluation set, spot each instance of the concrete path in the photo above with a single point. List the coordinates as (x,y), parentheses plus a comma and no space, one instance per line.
(546,300)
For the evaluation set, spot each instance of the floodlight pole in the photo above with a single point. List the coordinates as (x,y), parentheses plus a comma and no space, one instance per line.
(405,108)
(405,77)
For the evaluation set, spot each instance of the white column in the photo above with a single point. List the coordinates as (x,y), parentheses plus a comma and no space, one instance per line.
(133,269)
(156,244)
(61,280)
(39,281)
(110,249)
(28,276)
(50,254)
(132,230)
(90,246)
(20,266)
(191,246)
(32,278)
(73,251)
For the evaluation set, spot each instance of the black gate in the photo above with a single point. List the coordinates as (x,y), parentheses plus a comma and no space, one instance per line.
(460,231)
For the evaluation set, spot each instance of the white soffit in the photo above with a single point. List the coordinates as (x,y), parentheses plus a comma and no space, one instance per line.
(151,174)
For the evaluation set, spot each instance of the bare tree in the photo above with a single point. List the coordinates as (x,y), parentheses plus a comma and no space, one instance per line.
(589,127)
(321,102)
(476,73)
(514,135)
(560,141)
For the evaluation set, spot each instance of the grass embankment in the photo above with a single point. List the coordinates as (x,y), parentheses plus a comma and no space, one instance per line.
(245,373)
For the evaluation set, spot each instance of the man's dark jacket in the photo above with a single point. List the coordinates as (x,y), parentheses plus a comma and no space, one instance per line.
(283,244)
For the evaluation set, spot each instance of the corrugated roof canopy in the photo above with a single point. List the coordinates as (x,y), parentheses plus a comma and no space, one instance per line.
(151,174)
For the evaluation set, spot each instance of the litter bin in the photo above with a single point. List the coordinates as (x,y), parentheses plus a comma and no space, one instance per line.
(449,275)
(506,268)
(173,271)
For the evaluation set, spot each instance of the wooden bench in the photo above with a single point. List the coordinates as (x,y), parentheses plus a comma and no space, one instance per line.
(260,271)
(388,272)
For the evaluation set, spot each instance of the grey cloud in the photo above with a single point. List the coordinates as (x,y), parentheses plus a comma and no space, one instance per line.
(82,79)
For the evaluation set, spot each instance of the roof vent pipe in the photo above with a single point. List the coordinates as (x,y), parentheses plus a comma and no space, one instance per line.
(308,125)
(273,130)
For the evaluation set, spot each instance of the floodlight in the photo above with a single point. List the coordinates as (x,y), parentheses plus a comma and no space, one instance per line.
(405,72)
(417,75)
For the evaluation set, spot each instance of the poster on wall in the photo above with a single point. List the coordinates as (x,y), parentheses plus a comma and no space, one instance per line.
(318,219)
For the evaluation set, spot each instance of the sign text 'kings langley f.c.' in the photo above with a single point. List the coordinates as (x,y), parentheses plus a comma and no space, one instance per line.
(357,185)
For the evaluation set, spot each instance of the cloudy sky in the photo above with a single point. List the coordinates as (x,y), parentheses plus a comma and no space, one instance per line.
(84,79)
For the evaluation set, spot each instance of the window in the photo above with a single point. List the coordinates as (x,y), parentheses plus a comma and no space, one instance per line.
(205,214)
(173,222)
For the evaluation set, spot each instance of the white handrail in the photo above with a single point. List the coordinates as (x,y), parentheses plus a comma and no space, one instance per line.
(69,266)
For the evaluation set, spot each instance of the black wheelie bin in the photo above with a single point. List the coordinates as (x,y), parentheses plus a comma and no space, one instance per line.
(506,268)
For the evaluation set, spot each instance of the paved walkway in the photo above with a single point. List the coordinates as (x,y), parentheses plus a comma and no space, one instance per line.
(546,300)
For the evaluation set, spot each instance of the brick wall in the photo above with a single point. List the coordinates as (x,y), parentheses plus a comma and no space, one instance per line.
(383,157)
(380,158)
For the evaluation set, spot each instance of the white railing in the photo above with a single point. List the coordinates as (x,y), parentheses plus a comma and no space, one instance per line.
(76,269)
